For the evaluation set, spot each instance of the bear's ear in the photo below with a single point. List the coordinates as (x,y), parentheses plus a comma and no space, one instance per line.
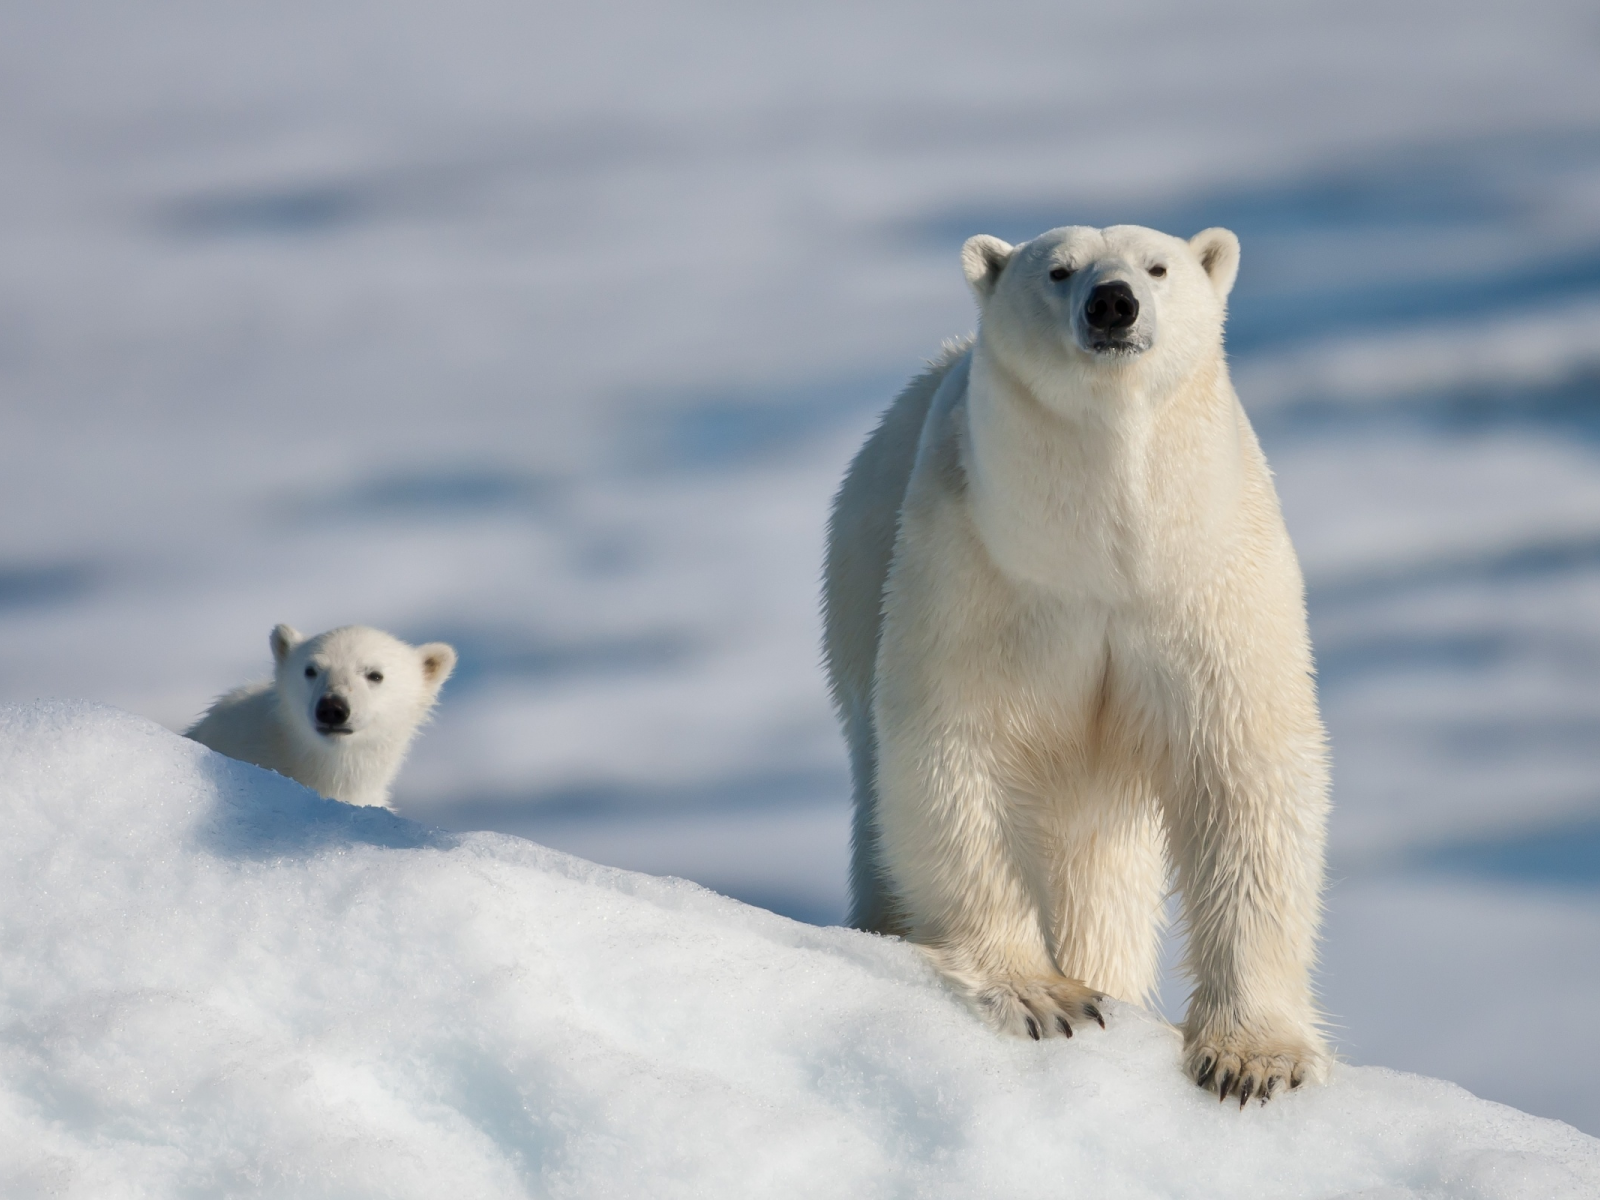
(1218,252)
(982,260)
(284,639)
(438,660)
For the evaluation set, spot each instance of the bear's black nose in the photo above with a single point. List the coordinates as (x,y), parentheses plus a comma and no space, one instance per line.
(333,710)
(1111,306)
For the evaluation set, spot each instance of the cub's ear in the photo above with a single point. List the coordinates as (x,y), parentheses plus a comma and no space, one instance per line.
(284,638)
(1218,252)
(982,260)
(438,660)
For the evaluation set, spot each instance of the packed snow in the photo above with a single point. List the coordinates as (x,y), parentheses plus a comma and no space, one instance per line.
(218,983)
(548,331)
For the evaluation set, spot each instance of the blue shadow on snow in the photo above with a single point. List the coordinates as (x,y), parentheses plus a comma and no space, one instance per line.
(1560,855)
(462,491)
(1554,556)
(300,211)
(738,427)
(48,584)
(1568,408)
(487,656)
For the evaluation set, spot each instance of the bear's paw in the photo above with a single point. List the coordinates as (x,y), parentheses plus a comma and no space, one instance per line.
(1040,1008)
(1251,1067)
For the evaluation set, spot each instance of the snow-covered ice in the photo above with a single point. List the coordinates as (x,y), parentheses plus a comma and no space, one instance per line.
(214,982)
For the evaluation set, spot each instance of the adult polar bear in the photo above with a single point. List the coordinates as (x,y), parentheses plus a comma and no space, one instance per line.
(1066,635)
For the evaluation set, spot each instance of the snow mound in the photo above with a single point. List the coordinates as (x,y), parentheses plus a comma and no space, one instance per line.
(213,982)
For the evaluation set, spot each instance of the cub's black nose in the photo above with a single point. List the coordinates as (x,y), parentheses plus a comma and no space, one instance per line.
(1111,306)
(333,710)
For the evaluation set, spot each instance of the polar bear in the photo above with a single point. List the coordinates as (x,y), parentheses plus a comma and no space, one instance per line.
(1066,637)
(338,714)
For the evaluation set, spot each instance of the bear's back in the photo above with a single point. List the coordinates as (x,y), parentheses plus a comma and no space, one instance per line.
(861,534)
(862,529)
(243,724)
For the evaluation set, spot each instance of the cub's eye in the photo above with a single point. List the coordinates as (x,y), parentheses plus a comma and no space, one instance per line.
(374,676)
(1158,272)
(311,672)
(1059,273)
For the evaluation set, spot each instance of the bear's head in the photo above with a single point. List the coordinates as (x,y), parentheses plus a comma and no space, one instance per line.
(1120,305)
(356,685)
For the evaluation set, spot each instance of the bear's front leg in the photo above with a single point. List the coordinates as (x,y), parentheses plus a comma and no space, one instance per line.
(961,863)
(1245,825)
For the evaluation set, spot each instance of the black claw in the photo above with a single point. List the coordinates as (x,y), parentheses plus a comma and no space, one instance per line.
(1228,1080)
(1295,1081)
(1244,1093)
(1095,1013)
(1204,1078)
(1033,1028)
(1271,1086)
(1061,1024)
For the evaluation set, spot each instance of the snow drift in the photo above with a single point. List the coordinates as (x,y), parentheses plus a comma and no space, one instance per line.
(213,982)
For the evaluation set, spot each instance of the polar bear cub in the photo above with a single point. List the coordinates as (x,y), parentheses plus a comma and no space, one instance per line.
(338,714)
(1067,640)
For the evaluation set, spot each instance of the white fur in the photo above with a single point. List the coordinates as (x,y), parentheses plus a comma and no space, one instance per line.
(390,689)
(1066,634)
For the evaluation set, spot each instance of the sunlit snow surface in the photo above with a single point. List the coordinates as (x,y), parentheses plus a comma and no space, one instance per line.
(216,983)
(549,329)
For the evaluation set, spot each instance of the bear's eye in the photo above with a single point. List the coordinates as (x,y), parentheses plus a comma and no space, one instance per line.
(374,676)
(1060,273)
(311,672)
(1158,271)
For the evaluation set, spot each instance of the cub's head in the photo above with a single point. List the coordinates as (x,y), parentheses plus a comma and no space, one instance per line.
(354,684)
(1102,303)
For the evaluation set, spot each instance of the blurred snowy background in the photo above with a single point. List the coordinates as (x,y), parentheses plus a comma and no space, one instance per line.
(548,330)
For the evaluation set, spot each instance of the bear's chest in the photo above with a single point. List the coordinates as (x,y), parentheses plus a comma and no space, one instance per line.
(1071,516)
